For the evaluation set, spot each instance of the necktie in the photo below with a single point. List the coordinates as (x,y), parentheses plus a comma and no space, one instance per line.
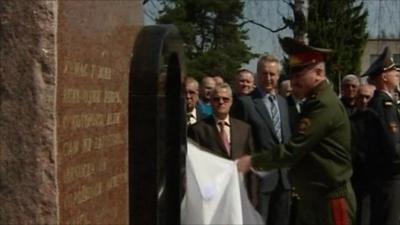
(276,119)
(224,137)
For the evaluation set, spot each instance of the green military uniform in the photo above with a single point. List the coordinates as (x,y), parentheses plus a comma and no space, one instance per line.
(319,156)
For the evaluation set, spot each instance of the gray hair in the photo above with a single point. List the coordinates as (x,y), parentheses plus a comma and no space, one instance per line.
(350,77)
(222,86)
(268,58)
(189,80)
(239,71)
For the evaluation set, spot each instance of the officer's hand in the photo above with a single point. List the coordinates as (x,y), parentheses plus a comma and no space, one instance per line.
(244,163)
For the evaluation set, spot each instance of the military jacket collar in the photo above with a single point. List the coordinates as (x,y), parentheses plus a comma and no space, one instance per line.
(323,85)
(387,93)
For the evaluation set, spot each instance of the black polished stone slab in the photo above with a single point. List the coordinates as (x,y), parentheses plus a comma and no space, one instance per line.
(156,126)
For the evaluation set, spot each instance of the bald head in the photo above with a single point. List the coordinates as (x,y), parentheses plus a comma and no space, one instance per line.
(207,85)
(364,94)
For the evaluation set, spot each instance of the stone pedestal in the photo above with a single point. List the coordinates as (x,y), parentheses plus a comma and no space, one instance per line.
(64,75)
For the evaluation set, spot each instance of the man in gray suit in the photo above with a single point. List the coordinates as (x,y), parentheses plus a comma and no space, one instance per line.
(267,113)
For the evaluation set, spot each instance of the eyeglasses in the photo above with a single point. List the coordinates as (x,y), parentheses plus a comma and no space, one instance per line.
(218,99)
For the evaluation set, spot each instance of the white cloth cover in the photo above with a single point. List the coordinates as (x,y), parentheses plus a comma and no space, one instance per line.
(213,191)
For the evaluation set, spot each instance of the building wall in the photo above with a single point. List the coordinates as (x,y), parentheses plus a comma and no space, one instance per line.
(375,46)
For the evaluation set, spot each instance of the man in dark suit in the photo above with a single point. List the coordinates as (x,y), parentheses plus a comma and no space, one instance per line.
(193,113)
(368,137)
(228,138)
(385,201)
(267,113)
(221,134)
(350,85)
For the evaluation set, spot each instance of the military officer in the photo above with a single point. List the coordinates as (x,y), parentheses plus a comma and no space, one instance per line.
(318,152)
(385,200)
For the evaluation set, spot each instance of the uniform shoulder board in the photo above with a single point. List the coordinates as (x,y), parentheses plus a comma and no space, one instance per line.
(387,103)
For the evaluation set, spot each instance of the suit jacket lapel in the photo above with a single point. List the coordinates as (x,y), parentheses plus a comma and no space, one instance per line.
(284,114)
(262,110)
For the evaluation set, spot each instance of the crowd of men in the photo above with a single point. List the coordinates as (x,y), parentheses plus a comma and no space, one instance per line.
(327,158)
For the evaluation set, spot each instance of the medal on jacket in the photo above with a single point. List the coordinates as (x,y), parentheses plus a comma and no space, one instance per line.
(303,125)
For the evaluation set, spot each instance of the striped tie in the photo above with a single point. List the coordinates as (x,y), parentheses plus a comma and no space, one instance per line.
(276,119)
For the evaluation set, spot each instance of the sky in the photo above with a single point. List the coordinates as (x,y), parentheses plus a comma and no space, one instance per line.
(383,17)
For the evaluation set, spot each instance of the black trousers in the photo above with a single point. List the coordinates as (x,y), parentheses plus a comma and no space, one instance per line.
(363,199)
(385,203)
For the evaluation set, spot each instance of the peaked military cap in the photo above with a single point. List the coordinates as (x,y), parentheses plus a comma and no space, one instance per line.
(383,63)
(302,55)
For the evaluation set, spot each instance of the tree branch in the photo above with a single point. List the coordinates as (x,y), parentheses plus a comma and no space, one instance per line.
(263,26)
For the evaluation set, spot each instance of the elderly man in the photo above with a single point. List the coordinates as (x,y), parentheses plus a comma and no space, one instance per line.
(386,203)
(267,113)
(350,84)
(368,137)
(193,114)
(244,82)
(221,134)
(318,152)
(226,137)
